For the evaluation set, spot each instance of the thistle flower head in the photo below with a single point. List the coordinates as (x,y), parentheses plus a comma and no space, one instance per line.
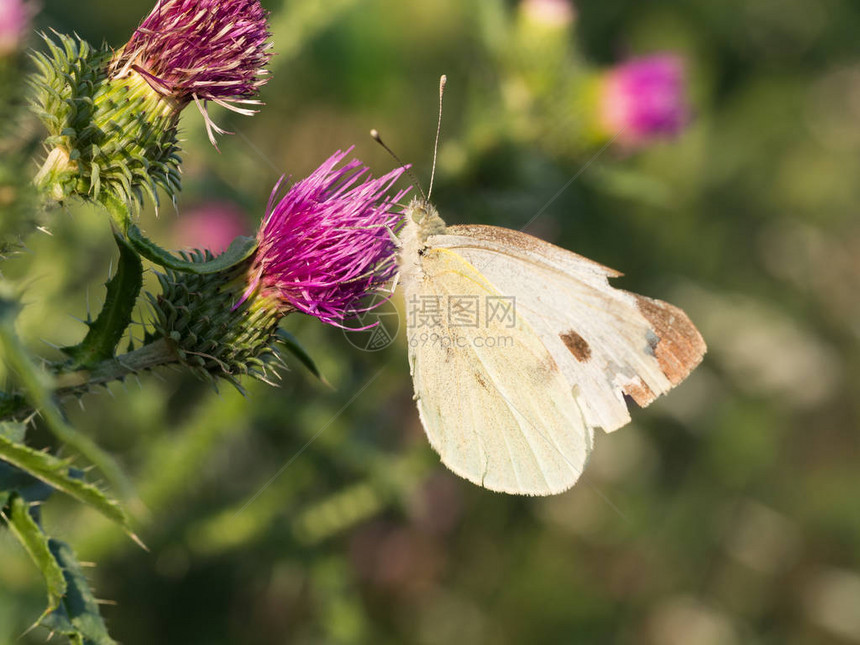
(328,241)
(197,315)
(644,98)
(323,245)
(200,50)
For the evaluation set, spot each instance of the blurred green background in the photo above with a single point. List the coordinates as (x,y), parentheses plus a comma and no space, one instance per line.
(727,512)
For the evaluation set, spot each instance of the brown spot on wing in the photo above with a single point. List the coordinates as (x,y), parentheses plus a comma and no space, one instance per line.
(639,392)
(577,345)
(680,347)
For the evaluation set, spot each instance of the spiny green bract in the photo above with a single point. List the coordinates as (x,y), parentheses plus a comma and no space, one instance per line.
(106,135)
(213,336)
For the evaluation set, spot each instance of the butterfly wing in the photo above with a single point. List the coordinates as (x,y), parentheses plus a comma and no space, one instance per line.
(606,342)
(493,402)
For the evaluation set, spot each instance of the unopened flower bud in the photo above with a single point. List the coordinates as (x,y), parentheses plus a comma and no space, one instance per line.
(548,14)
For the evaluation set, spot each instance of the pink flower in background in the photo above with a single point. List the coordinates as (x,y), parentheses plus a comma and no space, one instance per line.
(645,98)
(15,18)
(328,241)
(201,50)
(550,13)
(211,225)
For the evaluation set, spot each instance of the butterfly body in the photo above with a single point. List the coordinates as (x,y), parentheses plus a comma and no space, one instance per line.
(519,349)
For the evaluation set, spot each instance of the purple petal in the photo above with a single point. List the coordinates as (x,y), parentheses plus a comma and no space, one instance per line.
(212,50)
(327,242)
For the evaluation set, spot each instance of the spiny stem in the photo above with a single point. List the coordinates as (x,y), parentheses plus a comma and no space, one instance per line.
(119,211)
(158,352)
(151,355)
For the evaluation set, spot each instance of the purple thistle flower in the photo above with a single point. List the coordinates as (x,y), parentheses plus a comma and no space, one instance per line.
(201,50)
(644,98)
(328,241)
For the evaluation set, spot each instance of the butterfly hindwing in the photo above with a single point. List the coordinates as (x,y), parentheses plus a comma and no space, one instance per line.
(492,399)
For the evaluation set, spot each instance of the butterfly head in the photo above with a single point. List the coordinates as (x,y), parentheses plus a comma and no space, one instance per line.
(423,217)
(421,221)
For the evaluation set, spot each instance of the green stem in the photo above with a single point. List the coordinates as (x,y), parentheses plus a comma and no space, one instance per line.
(158,352)
(154,354)
(239,250)
(106,331)
(118,210)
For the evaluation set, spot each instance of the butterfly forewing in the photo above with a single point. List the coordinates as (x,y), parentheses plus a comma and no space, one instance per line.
(605,341)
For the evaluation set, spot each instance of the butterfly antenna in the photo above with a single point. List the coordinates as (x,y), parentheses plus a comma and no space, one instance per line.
(374,134)
(443,80)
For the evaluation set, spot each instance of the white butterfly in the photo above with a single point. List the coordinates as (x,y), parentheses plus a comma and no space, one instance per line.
(519,349)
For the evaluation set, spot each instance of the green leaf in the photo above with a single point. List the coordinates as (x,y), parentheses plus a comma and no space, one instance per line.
(239,250)
(295,348)
(35,543)
(56,473)
(78,616)
(122,291)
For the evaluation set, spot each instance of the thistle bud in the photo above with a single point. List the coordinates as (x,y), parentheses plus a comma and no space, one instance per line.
(211,225)
(538,57)
(548,15)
